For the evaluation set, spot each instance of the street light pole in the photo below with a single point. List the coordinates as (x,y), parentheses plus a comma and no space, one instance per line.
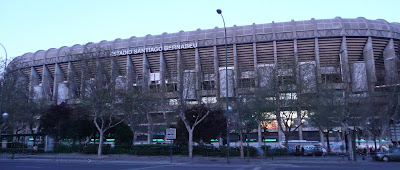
(4,79)
(226,83)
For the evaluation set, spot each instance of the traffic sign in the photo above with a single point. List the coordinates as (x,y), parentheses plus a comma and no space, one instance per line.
(170,134)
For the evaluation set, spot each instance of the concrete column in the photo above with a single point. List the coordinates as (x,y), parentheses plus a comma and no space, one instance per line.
(114,69)
(275,54)
(163,70)
(390,61)
(58,78)
(236,71)
(255,63)
(344,61)
(317,61)
(33,81)
(71,75)
(216,63)
(85,76)
(180,70)
(216,71)
(130,72)
(277,103)
(146,72)
(368,53)
(46,82)
(299,86)
(198,73)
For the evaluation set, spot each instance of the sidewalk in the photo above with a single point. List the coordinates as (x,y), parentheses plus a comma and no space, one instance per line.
(124,158)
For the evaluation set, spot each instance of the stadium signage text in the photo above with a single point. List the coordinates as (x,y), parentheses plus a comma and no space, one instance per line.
(154,49)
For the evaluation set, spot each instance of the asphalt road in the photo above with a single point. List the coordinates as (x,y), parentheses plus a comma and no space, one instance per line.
(66,164)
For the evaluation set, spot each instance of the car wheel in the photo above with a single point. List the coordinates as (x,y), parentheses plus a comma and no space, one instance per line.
(385,159)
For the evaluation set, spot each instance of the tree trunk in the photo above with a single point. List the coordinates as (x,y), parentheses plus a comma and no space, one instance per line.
(190,143)
(134,138)
(149,128)
(286,140)
(327,142)
(259,135)
(100,144)
(350,145)
(241,144)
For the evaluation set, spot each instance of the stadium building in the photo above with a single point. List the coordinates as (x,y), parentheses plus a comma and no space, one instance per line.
(330,52)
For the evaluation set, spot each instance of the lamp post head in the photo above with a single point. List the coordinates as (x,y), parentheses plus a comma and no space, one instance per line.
(219,11)
(5,115)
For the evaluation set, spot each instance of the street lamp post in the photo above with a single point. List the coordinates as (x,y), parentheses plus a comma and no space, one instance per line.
(226,76)
(5,116)
(4,80)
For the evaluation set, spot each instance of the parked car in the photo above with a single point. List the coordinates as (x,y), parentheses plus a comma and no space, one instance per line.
(392,154)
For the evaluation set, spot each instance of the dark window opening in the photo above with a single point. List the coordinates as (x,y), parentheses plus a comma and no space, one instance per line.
(172,87)
(247,83)
(155,87)
(208,85)
(286,80)
(331,78)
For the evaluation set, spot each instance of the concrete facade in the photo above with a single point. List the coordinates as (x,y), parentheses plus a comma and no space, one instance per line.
(333,52)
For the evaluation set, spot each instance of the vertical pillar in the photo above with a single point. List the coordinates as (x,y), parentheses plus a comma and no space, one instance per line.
(198,70)
(277,96)
(236,70)
(146,72)
(58,78)
(46,79)
(317,62)
(216,63)
(344,61)
(130,72)
(216,71)
(114,69)
(299,86)
(255,55)
(198,73)
(390,62)
(85,76)
(180,71)
(163,68)
(368,53)
(33,81)
(71,75)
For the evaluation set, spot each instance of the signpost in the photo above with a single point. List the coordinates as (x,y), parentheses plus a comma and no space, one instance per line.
(170,135)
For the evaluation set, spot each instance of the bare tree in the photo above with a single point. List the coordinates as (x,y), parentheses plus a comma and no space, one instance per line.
(99,94)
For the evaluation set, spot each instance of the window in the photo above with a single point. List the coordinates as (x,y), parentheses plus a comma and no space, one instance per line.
(247,82)
(155,87)
(331,78)
(208,85)
(286,80)
(171,87)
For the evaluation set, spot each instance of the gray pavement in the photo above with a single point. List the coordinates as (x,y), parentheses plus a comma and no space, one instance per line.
(125,162)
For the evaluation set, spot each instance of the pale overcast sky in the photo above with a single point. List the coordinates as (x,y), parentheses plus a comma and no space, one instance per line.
(32,25)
